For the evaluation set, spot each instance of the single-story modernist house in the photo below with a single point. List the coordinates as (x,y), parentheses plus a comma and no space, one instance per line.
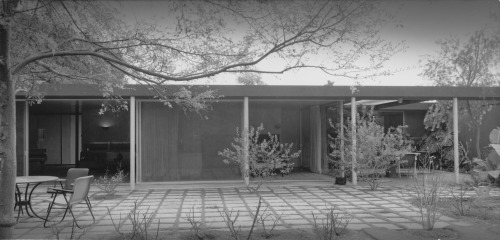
(157,143)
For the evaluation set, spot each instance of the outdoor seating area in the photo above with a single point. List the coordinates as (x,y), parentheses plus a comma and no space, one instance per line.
(297,200)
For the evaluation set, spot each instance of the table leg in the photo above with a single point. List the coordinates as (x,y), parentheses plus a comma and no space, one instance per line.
(18,202)
(26,202)
(31,208)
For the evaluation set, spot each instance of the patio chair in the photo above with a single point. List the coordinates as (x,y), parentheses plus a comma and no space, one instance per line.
(79,194)
(71,175)
(408,165)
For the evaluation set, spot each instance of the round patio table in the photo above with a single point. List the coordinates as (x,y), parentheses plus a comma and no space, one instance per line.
(26,202)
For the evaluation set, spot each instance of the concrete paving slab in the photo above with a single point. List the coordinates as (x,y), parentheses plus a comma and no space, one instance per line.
(386,234)
(385,208)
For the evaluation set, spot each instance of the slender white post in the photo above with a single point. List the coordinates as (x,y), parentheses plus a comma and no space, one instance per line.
(342,153)
(316,123)
(455,139)
(132,143)
(353,137)
(246,143)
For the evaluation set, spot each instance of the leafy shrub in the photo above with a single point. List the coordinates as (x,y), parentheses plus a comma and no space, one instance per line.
(490,166)
(267,156)
(376,151)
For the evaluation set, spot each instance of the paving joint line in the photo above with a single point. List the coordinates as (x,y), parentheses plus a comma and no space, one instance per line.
(397,213)
(339,196)
(269,207)
(161,202)
(179,212)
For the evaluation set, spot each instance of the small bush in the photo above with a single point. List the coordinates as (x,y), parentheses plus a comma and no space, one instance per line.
(266,154)
(140,222)
(73,234)
(109,182)
(376,149)
(230,218)
(460,202)
(266,218)
(428,190)
(199,227)
(333,225)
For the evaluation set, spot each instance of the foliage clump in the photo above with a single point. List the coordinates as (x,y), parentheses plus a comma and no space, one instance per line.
(438,139)
(266,155)
(375,152)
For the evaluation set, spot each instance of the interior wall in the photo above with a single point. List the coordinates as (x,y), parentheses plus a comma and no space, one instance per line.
(68,141)
(51,137)
(415,122)
(107,127)
(266,113)
(290,128)
(392,119)
(282,118)
(306,138)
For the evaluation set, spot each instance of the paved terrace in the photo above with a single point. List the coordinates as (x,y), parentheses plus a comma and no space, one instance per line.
(297,200)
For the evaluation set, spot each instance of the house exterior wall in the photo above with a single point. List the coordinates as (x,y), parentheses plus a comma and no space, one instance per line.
(195,141)
(179,146)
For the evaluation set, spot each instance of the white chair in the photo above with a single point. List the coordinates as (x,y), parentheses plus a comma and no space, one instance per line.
(71,175)
(69,198)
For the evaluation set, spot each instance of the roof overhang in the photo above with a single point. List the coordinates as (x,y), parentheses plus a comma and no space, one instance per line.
(398,93)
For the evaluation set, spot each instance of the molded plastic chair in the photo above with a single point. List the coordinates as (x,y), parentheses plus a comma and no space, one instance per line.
(79,194)
(73,173)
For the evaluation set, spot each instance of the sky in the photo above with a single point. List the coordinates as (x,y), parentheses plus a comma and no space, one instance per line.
(419,23)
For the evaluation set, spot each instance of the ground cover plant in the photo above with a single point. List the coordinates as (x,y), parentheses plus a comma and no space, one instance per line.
(484,212)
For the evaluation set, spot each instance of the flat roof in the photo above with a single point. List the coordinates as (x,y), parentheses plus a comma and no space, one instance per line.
(87,91)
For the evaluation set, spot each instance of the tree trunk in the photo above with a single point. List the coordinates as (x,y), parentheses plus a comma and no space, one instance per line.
(7,137)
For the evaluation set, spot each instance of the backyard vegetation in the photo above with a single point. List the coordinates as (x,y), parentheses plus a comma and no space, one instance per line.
(376,150)
(87,42)
(45,42)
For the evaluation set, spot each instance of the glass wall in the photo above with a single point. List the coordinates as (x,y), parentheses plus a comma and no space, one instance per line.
(105,139)
(52,137)
(281,118)
(72,133)
(180,146)
(176,145)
